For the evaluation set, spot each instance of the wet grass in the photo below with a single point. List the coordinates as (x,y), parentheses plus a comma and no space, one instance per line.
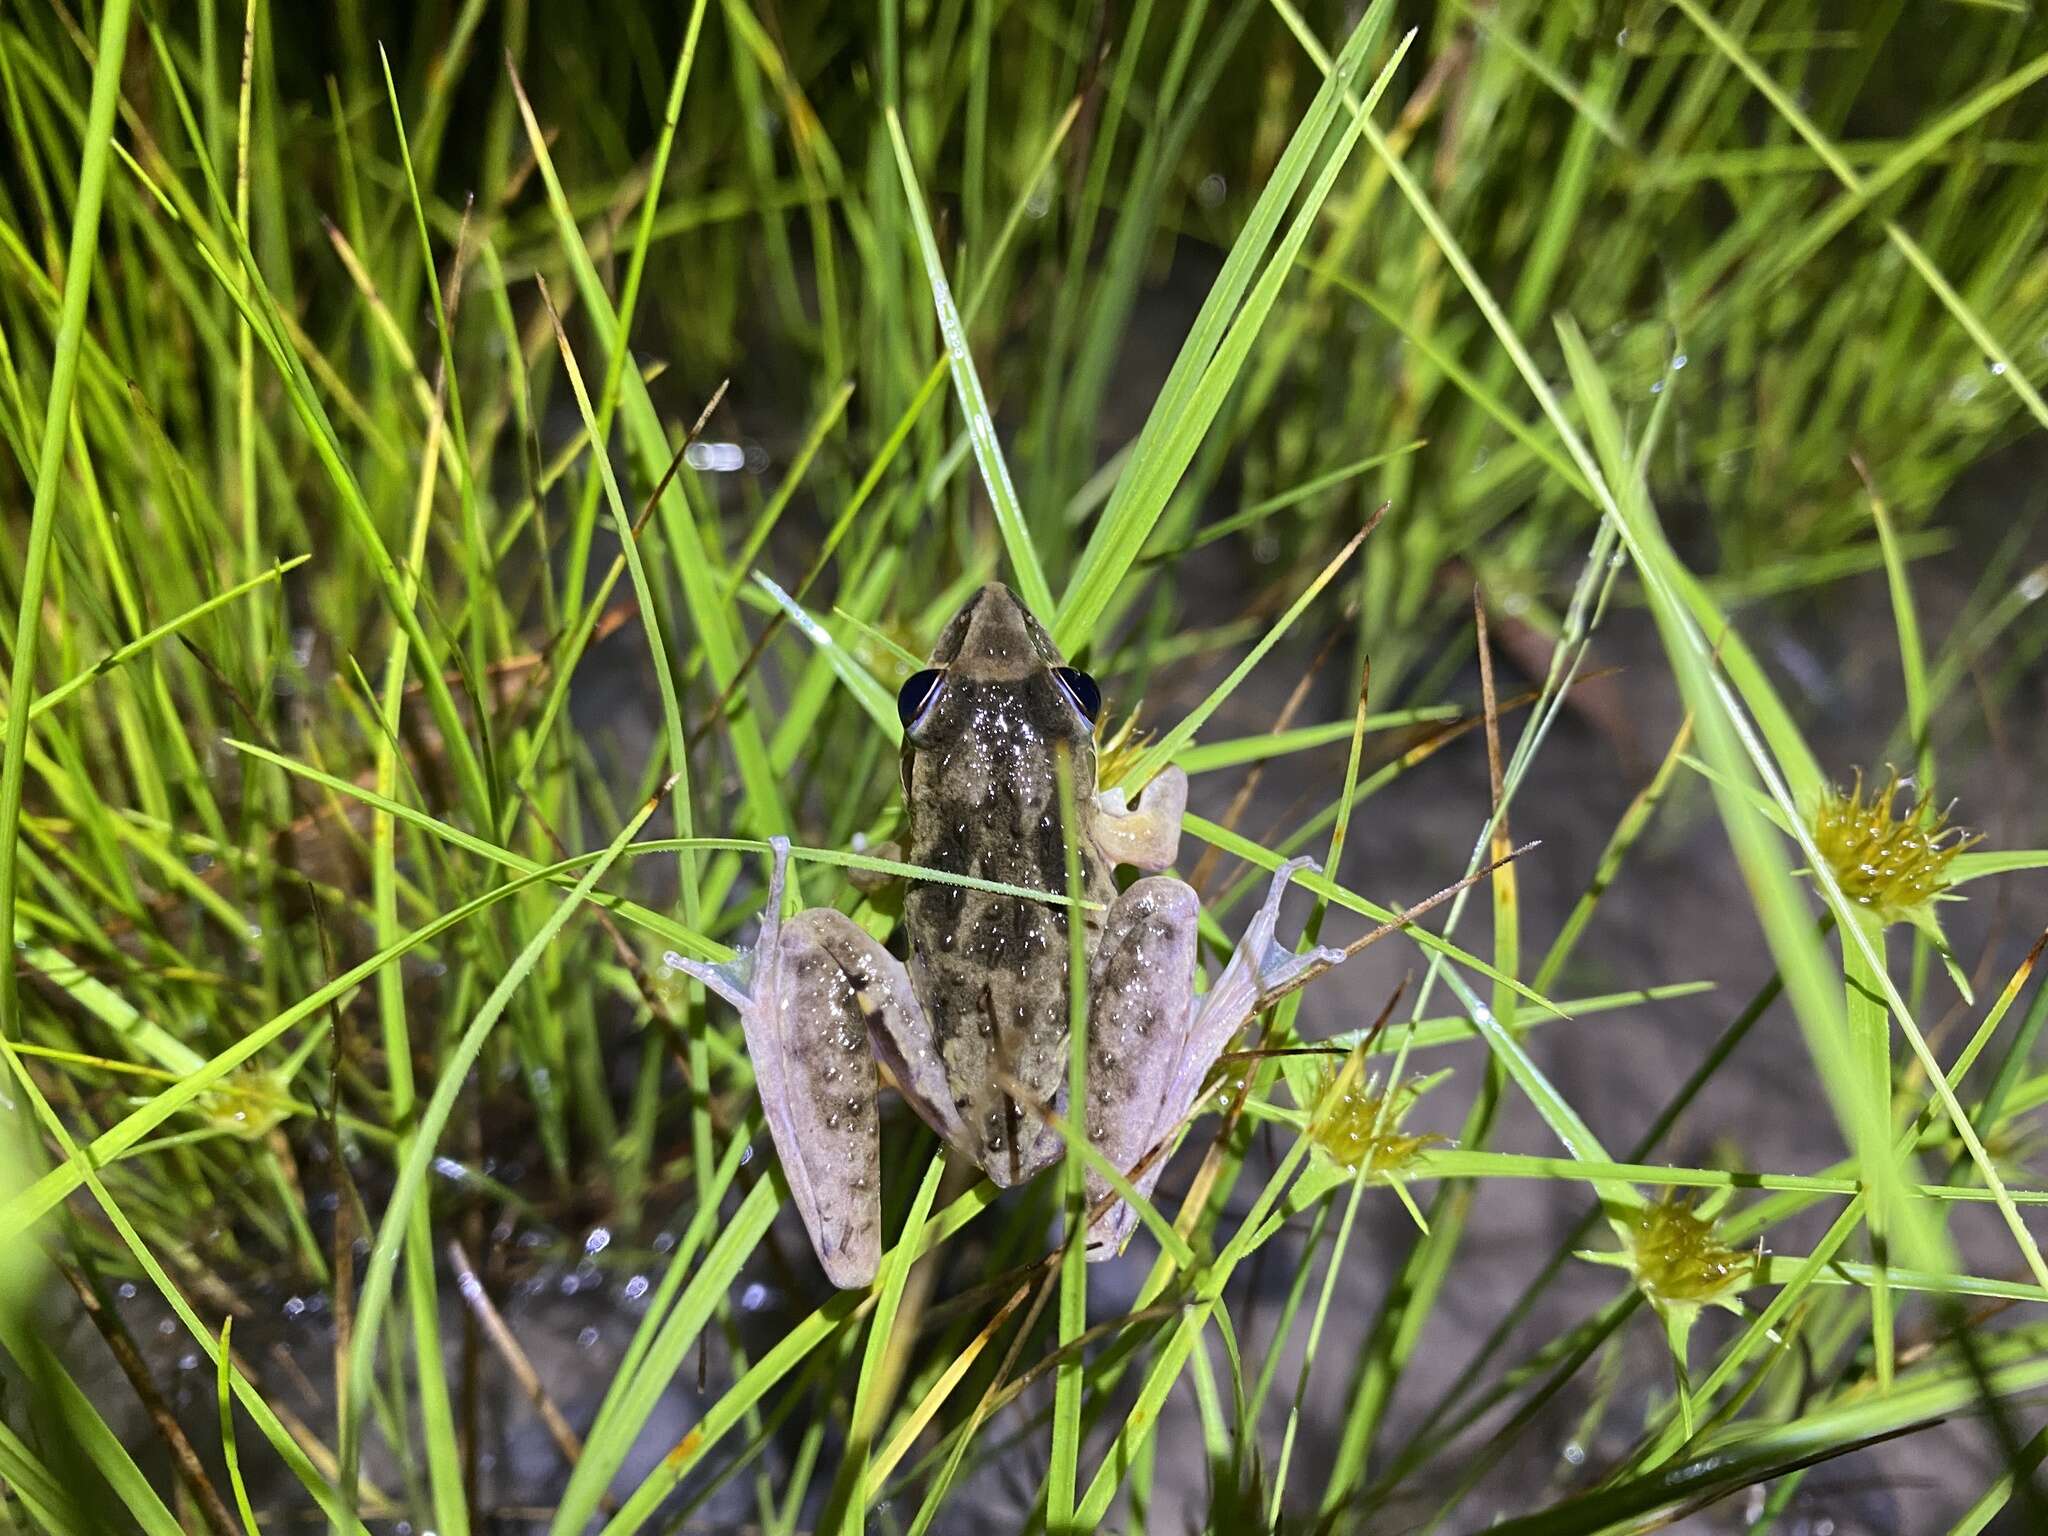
(370,741)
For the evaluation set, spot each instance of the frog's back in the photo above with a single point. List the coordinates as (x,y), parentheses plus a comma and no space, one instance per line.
(990,971)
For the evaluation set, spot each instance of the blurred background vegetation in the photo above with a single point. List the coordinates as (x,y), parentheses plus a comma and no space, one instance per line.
(322,525)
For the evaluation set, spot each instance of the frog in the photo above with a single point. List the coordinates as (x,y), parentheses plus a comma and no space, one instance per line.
(972,1025)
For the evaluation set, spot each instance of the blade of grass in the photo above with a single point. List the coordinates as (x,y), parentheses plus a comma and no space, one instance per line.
(123,654)
(1162,751)
(408,1190)
(224,1395)
(849,1493)
(66,348)
(2003,365)
(1220,341)
(788,1352)
(981,427)
(1069,1380)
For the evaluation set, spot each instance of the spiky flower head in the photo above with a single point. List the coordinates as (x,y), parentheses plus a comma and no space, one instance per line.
(250,1104)
(1677,1259)
(1118,745)
(1355,1124)
(1893,862)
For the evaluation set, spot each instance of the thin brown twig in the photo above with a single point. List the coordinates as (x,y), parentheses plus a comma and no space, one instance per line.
(348,1205)
(184,1457)
(469,1283)
(1396,923)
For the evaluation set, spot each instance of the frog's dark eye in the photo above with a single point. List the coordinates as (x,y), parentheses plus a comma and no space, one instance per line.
(916,695)
(1081,689)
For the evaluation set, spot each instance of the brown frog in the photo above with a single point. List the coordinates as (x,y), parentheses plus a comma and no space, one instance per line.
(973,1027)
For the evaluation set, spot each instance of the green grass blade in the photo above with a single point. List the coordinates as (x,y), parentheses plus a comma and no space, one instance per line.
(1214,353)
(409,1189)
(981,427)
(224,1395)
(869,1405)
(123,654)
(66,349)
(1163,751)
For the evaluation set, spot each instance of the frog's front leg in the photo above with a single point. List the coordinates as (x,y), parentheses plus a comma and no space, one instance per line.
(1146,835)
(1151,1041)
(814,996)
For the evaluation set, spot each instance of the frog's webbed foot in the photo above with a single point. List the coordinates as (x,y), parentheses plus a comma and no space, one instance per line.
(1150,1042)
(808,992)
(1259,965)
(1147,835)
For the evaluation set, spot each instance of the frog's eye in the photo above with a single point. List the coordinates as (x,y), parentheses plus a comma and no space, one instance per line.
(916,695)
(1081,689)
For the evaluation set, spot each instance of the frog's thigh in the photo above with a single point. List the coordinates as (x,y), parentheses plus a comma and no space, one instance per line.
(808,1039)
(896,1029)
(1148,953)
(1140,1000)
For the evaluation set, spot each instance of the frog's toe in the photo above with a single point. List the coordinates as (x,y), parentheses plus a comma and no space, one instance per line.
(1279,966)
(870,881)
(732,979)
(1274,962)
(1269,909)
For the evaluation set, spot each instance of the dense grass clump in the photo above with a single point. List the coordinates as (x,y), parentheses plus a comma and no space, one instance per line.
(475,472)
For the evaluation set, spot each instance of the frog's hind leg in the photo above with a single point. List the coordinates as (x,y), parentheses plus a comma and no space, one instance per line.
(810,992)
(1140,989)
(1151,1042)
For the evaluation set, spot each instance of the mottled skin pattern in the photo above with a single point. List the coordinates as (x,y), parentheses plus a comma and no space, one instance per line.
(979,772)
(973,1029)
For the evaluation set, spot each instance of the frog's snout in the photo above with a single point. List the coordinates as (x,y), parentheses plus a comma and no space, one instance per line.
(999,634)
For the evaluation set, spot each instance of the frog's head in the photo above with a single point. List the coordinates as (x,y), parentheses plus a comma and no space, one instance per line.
(995,676)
